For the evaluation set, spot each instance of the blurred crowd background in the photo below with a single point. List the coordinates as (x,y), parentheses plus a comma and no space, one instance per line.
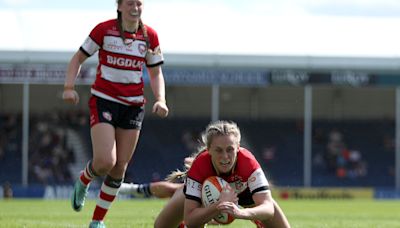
(347,106)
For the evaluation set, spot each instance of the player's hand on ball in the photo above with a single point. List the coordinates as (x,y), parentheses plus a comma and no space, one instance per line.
(70,96)
(228,194)
(230,208)
(215,190)
(161,109)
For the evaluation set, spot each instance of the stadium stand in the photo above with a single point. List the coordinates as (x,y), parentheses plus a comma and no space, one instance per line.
(163,146)
(353,96)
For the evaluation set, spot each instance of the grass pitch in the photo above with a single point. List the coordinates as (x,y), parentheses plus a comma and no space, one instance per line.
(141,213)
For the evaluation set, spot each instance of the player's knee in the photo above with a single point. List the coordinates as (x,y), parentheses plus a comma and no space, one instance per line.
(120,167)
(103,166)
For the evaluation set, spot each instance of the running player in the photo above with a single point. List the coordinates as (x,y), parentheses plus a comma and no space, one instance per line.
(124,46)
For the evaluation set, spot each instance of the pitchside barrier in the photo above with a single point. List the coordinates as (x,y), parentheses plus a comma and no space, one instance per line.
(323,193)
(279,193)
(386,193)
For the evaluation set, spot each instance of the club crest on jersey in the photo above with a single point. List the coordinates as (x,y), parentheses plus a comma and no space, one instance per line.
(128,42)
(107,116)
(142,48)
(238,184)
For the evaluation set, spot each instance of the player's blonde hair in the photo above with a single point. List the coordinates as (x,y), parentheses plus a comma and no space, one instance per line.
(217,128)
(220,128)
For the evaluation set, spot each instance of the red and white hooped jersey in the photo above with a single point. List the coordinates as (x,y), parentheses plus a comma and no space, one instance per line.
(119,76)
(246,178)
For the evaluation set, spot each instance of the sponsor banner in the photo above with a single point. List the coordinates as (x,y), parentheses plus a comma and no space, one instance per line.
(216,76)
(42,73)
(323,193)
(64,192)
(55,74)
(337,77)
(351,78)
(387,194)
(53,192)
(290,77)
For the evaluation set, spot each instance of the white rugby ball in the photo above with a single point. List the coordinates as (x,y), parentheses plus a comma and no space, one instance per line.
(210,192)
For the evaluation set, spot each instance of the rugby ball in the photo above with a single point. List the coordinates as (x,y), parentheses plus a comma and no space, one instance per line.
(210,192)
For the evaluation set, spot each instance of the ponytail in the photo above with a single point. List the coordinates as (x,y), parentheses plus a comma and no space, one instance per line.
(120,29)
(180,175)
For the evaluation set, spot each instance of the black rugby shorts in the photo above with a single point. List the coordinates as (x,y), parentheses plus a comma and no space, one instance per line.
(116,114)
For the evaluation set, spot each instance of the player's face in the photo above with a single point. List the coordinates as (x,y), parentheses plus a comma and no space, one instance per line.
(131,10)
(223,150)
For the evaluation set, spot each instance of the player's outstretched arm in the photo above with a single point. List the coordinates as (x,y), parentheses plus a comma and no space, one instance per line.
(159,189)
(164,189)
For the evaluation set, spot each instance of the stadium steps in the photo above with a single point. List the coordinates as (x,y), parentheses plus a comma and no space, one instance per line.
(74,142)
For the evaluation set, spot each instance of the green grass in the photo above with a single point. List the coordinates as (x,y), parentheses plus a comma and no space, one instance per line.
(141,213)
